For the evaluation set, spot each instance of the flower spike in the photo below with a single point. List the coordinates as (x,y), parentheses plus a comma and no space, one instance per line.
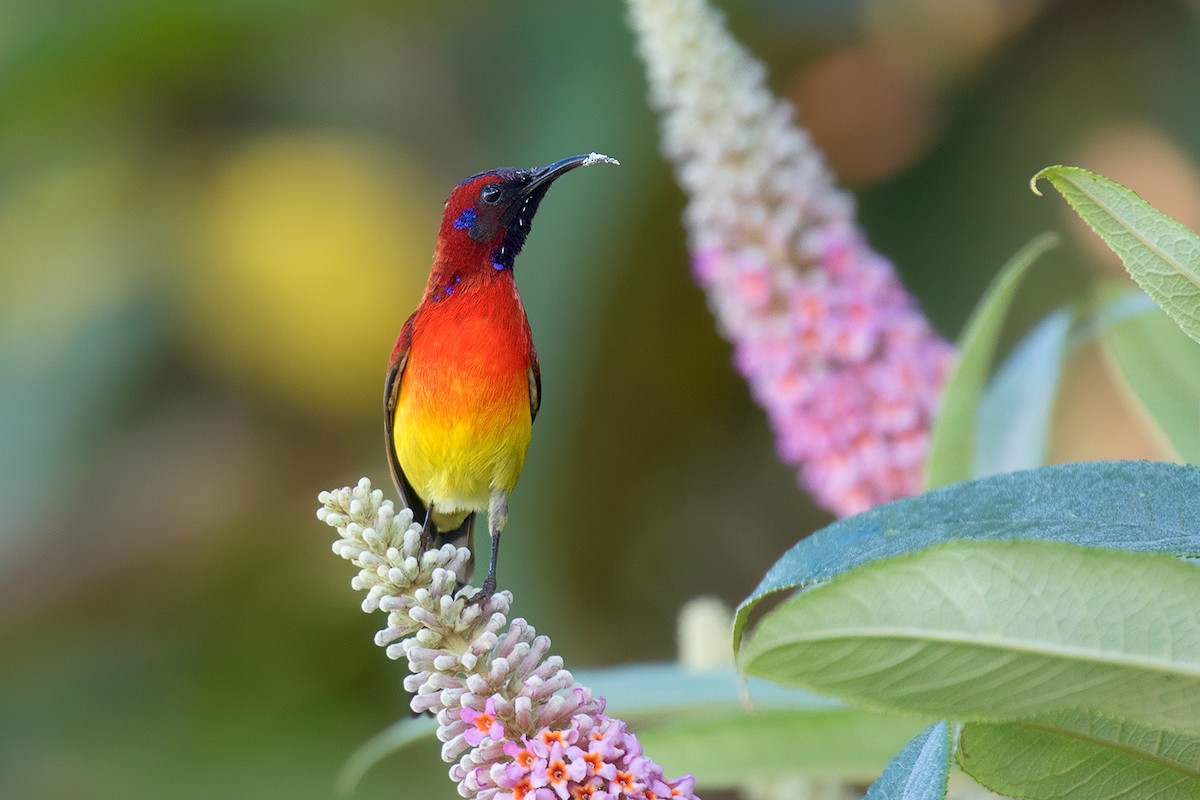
(515,724)
(841,358)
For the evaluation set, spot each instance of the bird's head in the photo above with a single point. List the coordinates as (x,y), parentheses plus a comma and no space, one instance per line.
(489,214)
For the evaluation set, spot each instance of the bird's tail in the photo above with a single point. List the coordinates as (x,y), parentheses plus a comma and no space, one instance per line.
(462,536)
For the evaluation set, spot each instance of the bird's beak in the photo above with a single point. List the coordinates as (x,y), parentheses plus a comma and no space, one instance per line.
(543,176)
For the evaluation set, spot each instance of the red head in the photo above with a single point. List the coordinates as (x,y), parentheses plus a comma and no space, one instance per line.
(488,215)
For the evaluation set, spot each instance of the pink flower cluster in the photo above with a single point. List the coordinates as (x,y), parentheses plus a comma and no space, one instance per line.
(835,350)
(846,367)
(517,724)
(594,758)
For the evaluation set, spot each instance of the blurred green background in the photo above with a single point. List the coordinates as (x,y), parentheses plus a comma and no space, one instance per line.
(215,216)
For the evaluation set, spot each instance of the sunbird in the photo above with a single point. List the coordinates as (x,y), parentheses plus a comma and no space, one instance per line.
(463,383)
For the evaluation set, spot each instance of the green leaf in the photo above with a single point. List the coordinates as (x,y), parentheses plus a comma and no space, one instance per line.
(1129,505)
(1013,423)
(682,717)
(1161,254)
(994,631)
(726,749)
(920,771)
(1161,368)
(1083,756)
(390,741)
(668,689)
(952,441)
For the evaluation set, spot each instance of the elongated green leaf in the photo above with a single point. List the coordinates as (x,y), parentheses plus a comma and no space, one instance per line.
(410,731)
(670,690)
(1082,756)
(760,729)
(1161,367)
(1014,414)
(1016,410)
(920,771)
(995,631)
(724,750)
(1129,505)
(1161,254)
(952,444)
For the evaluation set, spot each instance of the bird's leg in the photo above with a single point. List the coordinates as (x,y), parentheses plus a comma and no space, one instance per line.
(497,517)
(426,536)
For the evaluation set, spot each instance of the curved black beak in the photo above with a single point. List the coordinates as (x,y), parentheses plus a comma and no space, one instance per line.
(543,176)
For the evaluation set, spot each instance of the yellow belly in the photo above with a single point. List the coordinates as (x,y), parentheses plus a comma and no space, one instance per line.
(458,447)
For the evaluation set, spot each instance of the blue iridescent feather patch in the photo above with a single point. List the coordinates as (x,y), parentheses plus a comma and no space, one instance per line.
(466,219)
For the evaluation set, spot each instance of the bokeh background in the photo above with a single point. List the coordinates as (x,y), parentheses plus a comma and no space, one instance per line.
(215,216)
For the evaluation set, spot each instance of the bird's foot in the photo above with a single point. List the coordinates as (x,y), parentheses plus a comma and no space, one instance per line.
(426,540)
(485,592)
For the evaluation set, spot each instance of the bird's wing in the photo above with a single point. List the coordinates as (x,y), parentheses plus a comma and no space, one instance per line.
(460,536)
(535,383)
(391,395)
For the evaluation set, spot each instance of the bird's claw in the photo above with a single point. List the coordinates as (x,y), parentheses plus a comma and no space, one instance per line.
(485,592)
(426,540)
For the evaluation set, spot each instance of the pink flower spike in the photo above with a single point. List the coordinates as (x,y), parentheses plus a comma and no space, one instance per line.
(560,771)
(661,790)
(524,790)
(626,783)
(682,787)
(523,764)
(483,723)
(524,760)
(604,743)
(564,737)
(514,721)
(790,276)
(591,790)
(546,739)
(597,765)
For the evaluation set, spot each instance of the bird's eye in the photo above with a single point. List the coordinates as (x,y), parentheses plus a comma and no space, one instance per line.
(490,194)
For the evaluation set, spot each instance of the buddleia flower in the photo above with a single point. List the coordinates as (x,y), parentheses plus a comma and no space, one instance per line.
(514,723)
(839,355)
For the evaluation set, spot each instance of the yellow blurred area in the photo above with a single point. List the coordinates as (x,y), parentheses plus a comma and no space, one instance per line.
(309,252)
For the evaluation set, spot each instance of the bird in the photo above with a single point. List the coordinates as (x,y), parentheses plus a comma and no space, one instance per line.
(463,382)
